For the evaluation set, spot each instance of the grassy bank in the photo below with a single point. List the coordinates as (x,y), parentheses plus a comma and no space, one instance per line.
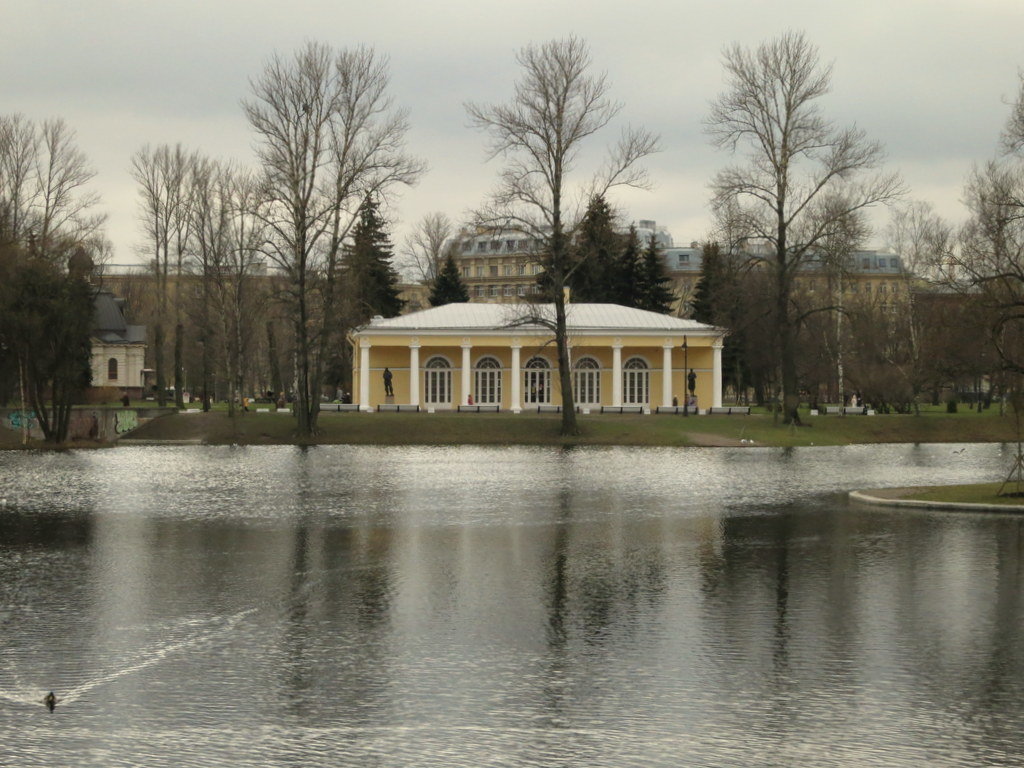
(967,494)
(980,493)
(543,429)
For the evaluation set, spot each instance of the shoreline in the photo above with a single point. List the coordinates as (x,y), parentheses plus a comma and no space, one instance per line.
(905,497)
(542,429)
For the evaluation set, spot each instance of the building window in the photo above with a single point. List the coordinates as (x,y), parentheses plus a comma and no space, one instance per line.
(493,290)
(510,246)
(636,382)
(508,290)
(479,271)
(865,263)
(893,263)
(112,369)
(487,381)
(437,382)
(465,271)
(467,245)
(521,269)
(537,381)
(536,269)
(493,269)
(684,258)
(520,290)
(524,245)
(495,245)
(507,270)
(481,247)
(587,382)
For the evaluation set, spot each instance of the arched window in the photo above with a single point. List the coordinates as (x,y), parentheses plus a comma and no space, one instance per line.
(112,369)
(537,381)
(487,381)
(636,382)
(587,382)
(437,382)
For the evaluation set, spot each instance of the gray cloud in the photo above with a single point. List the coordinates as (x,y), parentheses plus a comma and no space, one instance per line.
(927,78)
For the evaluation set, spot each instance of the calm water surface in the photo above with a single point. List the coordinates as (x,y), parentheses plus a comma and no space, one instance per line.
(477,607)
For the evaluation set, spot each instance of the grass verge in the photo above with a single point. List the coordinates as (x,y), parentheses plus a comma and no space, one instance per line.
(595,429)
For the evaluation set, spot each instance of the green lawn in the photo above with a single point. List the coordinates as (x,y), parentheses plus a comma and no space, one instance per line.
(543,429)
(934,425)
(967,494)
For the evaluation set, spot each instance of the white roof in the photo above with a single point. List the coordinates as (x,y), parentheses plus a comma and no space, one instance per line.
(580,317)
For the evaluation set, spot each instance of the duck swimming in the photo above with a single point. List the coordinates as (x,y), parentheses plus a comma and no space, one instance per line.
(50,701)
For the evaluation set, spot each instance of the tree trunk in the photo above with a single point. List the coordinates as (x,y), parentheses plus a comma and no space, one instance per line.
(569,426)
(179,365)
(276,383)
(158,359)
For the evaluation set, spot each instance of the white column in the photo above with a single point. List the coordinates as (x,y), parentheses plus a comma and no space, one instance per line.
(466,347)
(516,376)
(666,375)
(414,372)
(617,373)
(364,375)
(716,374)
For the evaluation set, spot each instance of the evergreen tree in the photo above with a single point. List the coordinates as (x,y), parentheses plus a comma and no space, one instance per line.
(628,293)
(653,281)
(597,276)
(448,287)
(717,301)
(372,281)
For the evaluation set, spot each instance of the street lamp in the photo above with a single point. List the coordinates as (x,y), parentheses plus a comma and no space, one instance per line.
(686,367)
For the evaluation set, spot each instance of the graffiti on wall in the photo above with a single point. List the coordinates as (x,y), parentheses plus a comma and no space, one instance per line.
(84,423)
(17,419)
(125,421)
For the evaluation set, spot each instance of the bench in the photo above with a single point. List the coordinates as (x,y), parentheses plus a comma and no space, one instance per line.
(339,407)
(549,409)
(729,410)
(678,409)
(622,409)
(479,408)
(398,407)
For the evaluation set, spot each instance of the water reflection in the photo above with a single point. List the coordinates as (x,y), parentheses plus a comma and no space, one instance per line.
(467,607)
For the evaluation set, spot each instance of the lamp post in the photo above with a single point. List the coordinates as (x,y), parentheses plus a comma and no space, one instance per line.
(686,367)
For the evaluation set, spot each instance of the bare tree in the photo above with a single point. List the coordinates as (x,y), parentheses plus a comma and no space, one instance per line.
(328,137)
(227,239)
(44,193)
(922,239)
(803,174)
(424,249)
(163,175)
(557,105)
(991,257)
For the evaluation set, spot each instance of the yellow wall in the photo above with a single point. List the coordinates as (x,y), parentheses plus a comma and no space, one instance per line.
(393,352)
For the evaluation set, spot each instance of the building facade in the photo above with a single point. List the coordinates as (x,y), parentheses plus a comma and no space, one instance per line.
(504,356)
(118,349)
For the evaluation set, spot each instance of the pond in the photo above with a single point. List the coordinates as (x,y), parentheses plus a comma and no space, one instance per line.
(334,606)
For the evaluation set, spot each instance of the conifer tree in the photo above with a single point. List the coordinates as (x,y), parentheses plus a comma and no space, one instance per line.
(598,272)
(628,293)
(372,281)
(654,294)
(717,300)
(448,287)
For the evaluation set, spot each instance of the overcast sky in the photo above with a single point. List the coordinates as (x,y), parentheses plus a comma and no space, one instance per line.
(930,79)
